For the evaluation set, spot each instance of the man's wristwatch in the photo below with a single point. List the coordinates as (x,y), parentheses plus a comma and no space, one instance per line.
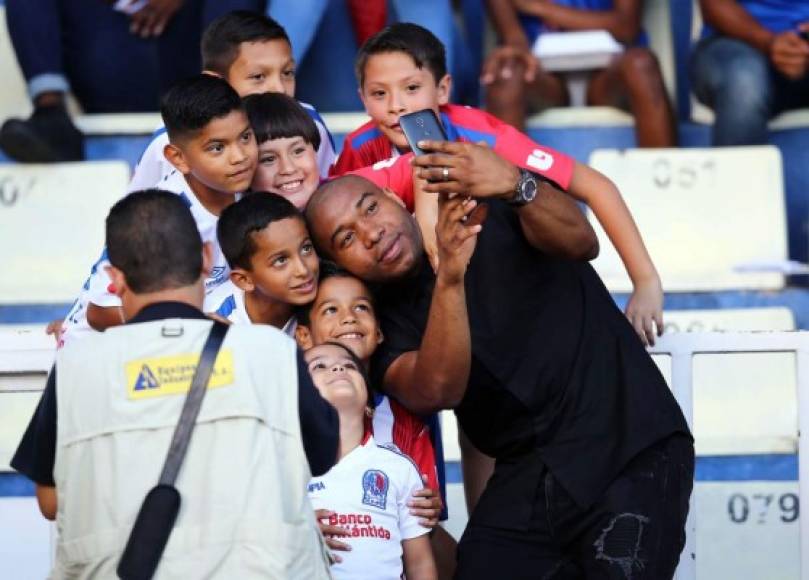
(526,189)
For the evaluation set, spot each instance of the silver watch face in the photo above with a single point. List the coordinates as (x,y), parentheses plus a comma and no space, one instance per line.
(528,187)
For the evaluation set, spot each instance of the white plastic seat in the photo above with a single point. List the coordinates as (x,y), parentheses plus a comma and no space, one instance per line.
(52,226)
(705,215)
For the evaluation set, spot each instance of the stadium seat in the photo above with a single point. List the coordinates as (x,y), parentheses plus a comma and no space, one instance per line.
(703,219)
(744,404)
(52,218)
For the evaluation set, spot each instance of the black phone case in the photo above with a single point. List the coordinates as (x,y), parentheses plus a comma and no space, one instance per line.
(420,126)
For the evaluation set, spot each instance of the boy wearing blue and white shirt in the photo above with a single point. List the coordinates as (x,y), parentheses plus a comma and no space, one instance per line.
(274,267)
(214,155)
(253,54)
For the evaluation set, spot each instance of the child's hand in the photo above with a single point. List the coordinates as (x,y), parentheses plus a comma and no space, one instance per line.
(426,214)
(55,328)
(331,532)
(645,306)
(426,504)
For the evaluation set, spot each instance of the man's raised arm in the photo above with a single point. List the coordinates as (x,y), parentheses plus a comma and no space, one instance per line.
(435,376)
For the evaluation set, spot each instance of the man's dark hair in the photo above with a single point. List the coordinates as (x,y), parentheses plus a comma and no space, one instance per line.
(278,116)
(248,216)
(328,269)
(415,41)
(192,103)
(221,40)
(153,239)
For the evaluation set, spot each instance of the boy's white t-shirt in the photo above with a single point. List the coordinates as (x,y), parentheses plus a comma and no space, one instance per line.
(231,307)
(97,287)
(153,165)
(368,491)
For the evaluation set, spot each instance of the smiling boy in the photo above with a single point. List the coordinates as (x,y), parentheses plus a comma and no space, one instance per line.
(213,154)
(273,261)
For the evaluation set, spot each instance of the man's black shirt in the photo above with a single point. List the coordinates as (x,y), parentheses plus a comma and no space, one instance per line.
(36,454)
(558,374)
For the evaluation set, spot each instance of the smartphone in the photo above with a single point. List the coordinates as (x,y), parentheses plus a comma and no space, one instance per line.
(420,126)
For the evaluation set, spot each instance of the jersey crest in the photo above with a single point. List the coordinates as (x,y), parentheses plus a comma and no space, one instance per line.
(375,485)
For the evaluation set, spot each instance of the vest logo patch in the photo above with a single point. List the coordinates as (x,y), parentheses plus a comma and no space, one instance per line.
(146,379)
(375,488)
(171,375)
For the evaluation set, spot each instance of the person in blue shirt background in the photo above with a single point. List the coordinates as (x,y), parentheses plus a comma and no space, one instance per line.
(751,64)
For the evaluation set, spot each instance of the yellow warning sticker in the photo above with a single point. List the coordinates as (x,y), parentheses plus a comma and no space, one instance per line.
(171,375)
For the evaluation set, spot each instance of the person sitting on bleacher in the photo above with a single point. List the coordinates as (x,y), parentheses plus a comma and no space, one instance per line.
(517,84)
(214,153)
(113,59)
(751,64)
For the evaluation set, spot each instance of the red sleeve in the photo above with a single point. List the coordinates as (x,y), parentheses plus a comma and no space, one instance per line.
(412,437)
(393,174)
(523,152)
(348,159)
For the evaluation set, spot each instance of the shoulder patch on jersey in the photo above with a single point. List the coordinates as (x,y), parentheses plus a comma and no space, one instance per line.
(171,375)
(375,484)
(362,138)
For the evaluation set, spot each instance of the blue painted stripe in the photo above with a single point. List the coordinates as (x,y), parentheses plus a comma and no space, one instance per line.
(15,485)
(713,468)
(709,468)
(32,313)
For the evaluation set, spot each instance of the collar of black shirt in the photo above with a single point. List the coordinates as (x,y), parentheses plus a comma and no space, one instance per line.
(163,310)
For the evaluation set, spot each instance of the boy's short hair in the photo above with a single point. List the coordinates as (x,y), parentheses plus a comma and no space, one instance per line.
(251,214)
(153,239)
(278,116)
(221,40)
(414,40)
(328,269)
(192,103)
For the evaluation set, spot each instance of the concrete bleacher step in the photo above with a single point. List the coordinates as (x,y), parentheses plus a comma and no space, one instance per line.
(52,226)
(704,214)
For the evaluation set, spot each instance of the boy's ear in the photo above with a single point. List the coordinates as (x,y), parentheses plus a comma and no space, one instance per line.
(303,337)
(176,157)
(393,196)
(444,89)
(242,279)
(379,336)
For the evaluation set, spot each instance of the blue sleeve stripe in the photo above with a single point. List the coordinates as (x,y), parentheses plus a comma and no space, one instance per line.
(363,138)
(318,121)
(227,307)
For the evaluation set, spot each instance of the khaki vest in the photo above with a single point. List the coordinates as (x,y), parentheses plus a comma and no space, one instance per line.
(244,511)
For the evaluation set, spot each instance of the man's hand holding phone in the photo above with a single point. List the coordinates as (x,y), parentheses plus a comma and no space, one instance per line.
(466,168)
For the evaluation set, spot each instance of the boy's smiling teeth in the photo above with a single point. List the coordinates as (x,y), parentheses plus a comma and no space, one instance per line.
(350,335)
(289,186)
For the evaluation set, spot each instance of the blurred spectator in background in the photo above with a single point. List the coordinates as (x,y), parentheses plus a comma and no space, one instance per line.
(112,55)
(517,84)
(325,35)
(751,64)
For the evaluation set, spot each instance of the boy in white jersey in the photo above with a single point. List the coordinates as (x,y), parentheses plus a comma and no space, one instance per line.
(251,52)
(343,312)
(213,152)
(369,489)
(273,263)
